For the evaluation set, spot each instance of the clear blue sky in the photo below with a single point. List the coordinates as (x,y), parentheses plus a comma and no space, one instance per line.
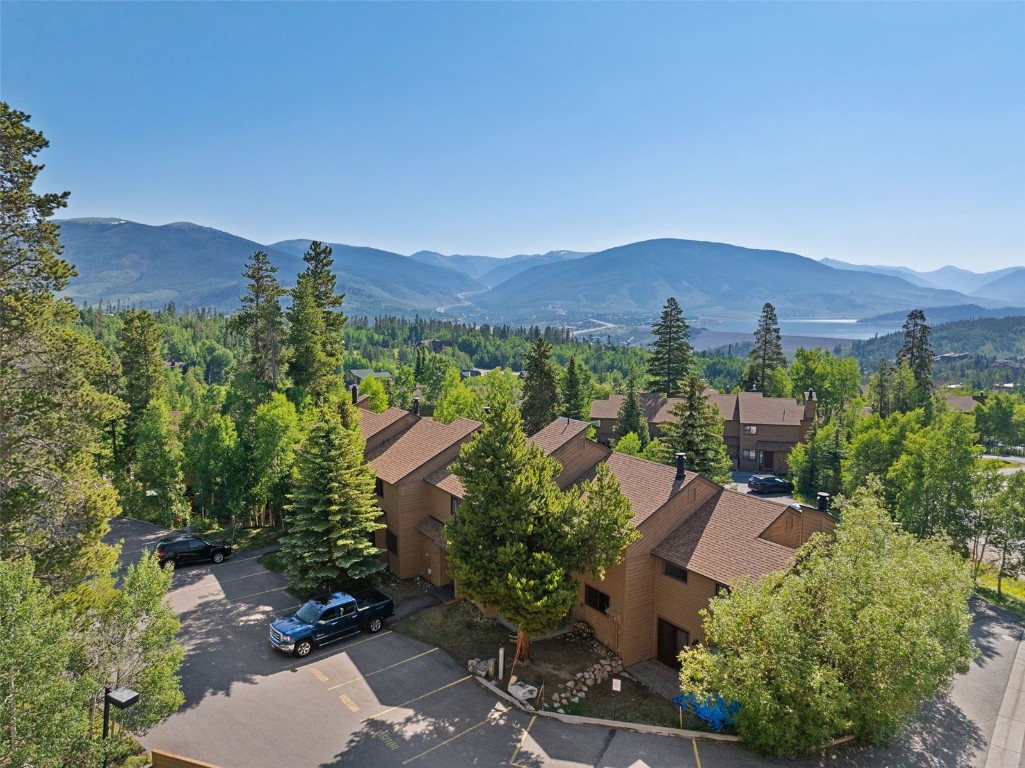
(875,133)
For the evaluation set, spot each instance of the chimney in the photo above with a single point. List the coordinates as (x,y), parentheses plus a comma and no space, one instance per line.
(487,409)
(355,394)
(681,467)
(822,501)
(416,406)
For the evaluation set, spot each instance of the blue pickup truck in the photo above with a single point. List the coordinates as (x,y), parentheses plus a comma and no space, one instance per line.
(328,618)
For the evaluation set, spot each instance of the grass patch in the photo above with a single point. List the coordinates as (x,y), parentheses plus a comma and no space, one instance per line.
(461,630)
(1013,591)
(242,539)
(996,463)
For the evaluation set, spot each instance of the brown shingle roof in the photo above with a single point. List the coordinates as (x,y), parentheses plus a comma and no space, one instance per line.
(444,479)
(647,484)
(557,434)
(434,530)
(371,423)
(961,403)
(426,439)
(757,409)
(721,539)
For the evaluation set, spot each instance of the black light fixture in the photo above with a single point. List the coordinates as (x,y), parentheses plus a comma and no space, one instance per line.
(122,698)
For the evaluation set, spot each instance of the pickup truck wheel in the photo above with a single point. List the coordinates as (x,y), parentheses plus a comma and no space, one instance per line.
(303,648)
(218,557)
(374,625)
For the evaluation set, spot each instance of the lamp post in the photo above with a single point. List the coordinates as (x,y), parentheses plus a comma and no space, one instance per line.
(122,698)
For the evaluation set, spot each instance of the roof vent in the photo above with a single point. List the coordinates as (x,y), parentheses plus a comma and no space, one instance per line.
(681,466)
(355,394)
(822,501)
(416,406)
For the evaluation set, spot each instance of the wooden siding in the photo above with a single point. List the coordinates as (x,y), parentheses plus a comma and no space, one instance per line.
(577,457)
(162,759)
(793,528)
(607,626)
(679,603)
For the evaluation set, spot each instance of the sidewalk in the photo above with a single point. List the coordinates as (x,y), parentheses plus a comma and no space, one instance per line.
(1005,748)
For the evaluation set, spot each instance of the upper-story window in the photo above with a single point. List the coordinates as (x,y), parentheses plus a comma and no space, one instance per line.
(379,486)
(454,506)
(674,571)
(750,429)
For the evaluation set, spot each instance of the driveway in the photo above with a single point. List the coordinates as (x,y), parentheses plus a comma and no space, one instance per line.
(740,481)
(389,700)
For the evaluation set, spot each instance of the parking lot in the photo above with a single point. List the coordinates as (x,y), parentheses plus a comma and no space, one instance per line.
(389,700)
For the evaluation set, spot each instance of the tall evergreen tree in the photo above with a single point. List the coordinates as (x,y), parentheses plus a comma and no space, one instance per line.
(261,322)
(767,353)
(576,395)
(916,353)
(156,490)
(879,385)
(54,503)
(671,353)
(333,511)
(630,419)
(315,324)
(142,366)
(542,401)
(697,431)
(518,540)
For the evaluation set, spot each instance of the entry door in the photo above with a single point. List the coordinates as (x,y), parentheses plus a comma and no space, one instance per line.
(671,640)
(768,460)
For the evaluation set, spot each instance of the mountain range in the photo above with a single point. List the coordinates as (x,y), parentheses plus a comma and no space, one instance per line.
(190,264)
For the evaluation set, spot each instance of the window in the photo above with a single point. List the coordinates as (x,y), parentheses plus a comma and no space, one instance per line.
(750,429)
(596,599)
(721,589)
(454,506)
(750,454)
(674,571)
(393,543)
(348,609)
(330,615)
(379,486)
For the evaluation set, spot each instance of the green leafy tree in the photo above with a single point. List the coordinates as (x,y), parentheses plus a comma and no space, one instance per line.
(697,431)
(518,540)
(156,492)
(835,380)
(373,388)
(629,444)
(542,401)
(935,476)
(261,323)
(213,461)
(456,400)
(333,512)
(403,387)
(143,369)
(576,395)
(630,419)
(876,445)
(315,324)
(54,379)
(767,353)
(860,632)
(916,353)
(278,433)
(671,354)
(880,388)
(1008,529)
(42,714)
(996,419)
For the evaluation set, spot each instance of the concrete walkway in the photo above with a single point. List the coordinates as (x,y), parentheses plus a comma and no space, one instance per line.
(1005,749)
(656,676)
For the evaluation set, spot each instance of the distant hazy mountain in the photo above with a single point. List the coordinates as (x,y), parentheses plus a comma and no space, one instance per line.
(934,315)
(703,277)
(189,264)
(1009,287)
(903,272)
(149,266)
(492,270)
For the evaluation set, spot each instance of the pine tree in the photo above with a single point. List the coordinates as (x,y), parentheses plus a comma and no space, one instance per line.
(261,322)
(54,503)
(630,419)
(671,353)
(156,490)
(916,353)
(518,540)
(576,395)
(767,353)
(142,366)
(333,511)
(697,431)
(315,324)
(542,402)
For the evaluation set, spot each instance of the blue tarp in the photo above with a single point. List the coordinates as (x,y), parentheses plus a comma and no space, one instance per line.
(715,711)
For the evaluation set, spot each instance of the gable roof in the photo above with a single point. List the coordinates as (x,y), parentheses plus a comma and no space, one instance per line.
(647,484)
(424,440)
(448,482)
(961,403)
(371,423)
(551,438)
(746,407)
(755,408)
(722,539)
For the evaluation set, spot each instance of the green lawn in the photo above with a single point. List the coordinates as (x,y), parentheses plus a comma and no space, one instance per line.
(1012,595)
(242,538)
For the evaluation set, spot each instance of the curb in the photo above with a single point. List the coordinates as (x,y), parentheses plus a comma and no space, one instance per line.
(658,730)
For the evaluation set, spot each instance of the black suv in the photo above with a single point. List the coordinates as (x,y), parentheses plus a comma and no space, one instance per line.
(770,484)
(183,548)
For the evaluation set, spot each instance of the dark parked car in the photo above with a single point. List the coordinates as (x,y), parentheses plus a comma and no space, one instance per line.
(770,484)
(184,548)
(328,618)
